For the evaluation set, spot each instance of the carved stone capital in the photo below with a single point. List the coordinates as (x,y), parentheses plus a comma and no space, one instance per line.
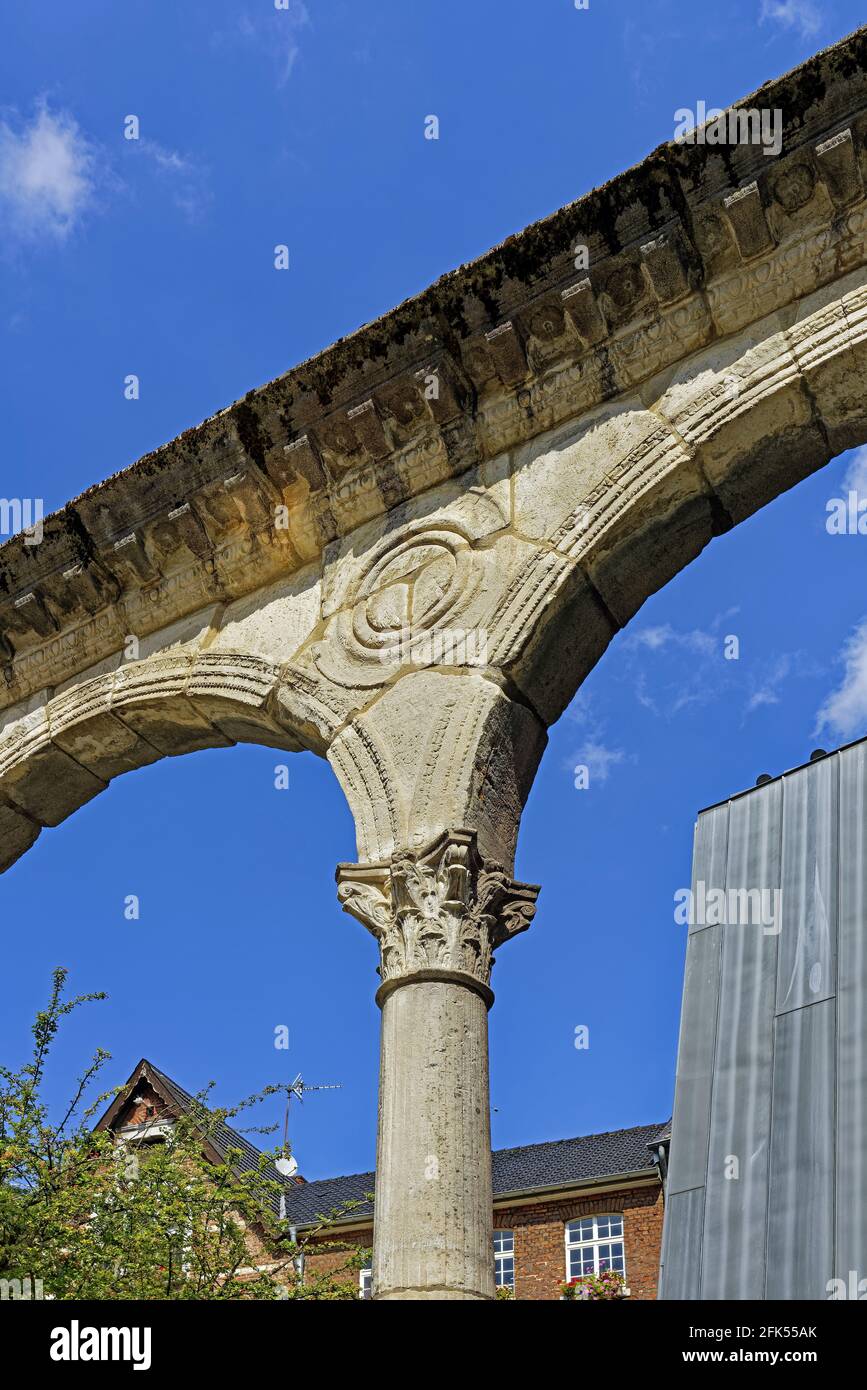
(438,914)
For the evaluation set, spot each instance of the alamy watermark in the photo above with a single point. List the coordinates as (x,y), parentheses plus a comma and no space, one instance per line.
(21,1289)
(740,126)
(738,907)
(847,516)
(851,1288)
(77,1343)
(22,514)
(448,646)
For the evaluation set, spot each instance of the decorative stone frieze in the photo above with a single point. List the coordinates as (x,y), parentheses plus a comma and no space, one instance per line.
(407,553)
(692,245)
(439,914)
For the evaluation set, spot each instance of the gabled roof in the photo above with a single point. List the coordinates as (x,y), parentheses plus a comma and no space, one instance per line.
(222,1137)
(588,1158)
(532,1167)
(613,1154)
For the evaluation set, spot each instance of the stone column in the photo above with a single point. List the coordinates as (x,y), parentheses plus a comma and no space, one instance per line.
(438,915)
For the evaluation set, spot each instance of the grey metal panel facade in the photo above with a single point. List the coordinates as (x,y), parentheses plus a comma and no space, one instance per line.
(769,1137)
(733,1261)
(694,1076)
(801,1188)
(710,852)
(851,1222)
(681,1244)
(809,886)
(698,1014)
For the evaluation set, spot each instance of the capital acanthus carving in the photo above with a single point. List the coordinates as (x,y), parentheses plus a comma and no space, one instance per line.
(443,911)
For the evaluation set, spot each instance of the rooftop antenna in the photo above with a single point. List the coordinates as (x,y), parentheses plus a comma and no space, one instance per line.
(287,1164)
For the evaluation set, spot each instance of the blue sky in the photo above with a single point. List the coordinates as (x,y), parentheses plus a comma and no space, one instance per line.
(304,126)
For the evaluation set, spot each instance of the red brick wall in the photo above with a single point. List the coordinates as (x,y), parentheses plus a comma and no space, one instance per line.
(540,1241)
(137,1114)
(540,1247)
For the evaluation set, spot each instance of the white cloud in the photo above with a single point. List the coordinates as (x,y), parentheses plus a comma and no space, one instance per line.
(856,474)
(598,759)
(187,181)
(692,667)
(593,753)
(844,712)
(46,174)
(664,635)
(802,15)
(765,690)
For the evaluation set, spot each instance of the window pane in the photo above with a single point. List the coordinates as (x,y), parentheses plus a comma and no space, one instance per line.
(503,1241)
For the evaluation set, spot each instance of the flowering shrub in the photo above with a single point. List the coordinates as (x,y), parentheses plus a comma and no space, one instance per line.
(504,1291)
(609,1283)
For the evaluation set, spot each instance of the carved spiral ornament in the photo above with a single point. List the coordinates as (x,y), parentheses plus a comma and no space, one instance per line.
(417,585)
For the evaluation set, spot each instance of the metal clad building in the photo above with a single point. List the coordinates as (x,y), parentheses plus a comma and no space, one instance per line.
(767,1184)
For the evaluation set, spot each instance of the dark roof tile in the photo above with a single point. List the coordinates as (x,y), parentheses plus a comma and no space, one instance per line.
(531,1166)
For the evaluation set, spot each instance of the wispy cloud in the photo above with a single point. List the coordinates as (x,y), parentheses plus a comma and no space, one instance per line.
(675,669)
(185,180)
(592,753)
(687,655)
(664,635)
(275,32)
(598,759)
(766,688)
(844,712)
(52,176)
(804,16)
(856,474)
(47,174)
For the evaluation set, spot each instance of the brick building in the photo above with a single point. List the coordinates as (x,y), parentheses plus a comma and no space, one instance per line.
(562,1208)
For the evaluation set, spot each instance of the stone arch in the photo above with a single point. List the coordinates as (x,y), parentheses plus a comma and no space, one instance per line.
(59,752)
(519,452)
(620,501)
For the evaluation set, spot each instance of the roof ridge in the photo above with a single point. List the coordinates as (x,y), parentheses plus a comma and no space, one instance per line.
(368,1176)
(341,1177)
(189,1096)
(575,1138)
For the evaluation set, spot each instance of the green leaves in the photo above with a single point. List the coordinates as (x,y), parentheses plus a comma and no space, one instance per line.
(96,1216)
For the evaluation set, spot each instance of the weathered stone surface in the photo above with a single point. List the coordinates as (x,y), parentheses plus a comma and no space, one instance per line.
(17,834)
(46,783)
(438,750)
(690,248)
(828,337)
(432,1238)
(104,745)
(439,911)
(437,915)
(407,554)
(274,623)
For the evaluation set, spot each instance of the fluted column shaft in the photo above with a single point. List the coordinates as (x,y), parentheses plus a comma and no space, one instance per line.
(432,1230)
(437,916)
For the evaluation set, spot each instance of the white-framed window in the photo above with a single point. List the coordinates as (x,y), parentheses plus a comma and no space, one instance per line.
(504,1259)
(593,1244)
(365,1283)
